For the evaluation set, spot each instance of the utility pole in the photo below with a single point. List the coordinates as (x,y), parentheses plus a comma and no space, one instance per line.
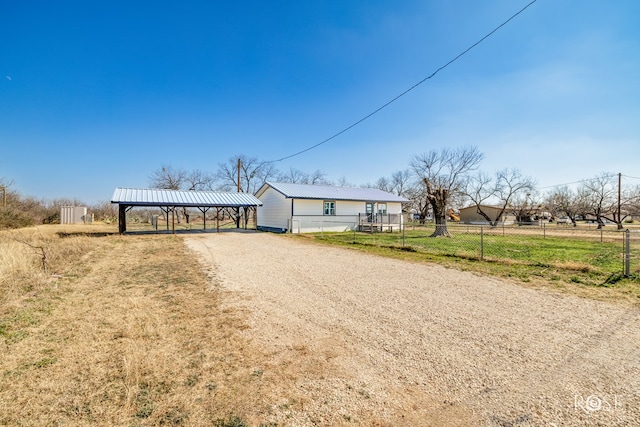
(239,190)
(239,167)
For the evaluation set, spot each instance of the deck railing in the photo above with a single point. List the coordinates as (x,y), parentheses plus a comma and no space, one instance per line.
(379,222)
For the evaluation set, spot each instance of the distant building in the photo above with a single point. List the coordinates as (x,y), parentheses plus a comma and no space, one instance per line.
(470,215)
(75,215)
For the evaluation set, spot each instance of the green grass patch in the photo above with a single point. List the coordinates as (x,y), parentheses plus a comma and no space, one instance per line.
(524,254)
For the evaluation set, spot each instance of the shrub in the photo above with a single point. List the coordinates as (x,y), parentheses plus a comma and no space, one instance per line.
(11,218)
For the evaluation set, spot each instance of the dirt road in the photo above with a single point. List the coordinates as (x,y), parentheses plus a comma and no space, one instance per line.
(376,341)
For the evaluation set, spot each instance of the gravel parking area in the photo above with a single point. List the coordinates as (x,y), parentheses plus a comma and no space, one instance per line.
(379,341)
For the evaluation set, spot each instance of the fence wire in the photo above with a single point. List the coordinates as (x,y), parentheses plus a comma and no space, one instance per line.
(588,250)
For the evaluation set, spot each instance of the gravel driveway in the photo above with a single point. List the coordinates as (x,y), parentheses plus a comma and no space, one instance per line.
(397,342)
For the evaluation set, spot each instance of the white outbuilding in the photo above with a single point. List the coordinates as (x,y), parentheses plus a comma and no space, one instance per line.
(305,208)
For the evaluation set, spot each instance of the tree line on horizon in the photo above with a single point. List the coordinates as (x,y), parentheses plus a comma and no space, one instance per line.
(434,182)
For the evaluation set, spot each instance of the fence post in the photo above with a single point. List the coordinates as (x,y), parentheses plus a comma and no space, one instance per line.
(627,252)
(481,243)
(402,225)
(544,230)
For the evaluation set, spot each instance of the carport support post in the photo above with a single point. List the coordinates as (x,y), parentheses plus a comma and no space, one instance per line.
(122,218)
(255,216)
(165,215)
(204,217)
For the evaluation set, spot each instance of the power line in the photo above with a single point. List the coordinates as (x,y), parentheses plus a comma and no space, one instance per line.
(562,185)
(611,175)
(408,90)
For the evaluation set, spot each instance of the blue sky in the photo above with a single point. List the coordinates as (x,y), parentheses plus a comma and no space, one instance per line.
(96,95)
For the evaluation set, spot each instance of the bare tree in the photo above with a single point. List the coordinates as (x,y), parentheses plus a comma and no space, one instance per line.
(631,202)
(442,174)
(621,203)
(168,178)
(526,206)
(419,201)
(566,202)
(106,212)
(198,180)
(317,177)
(479,189)
(253,174)
(383,184)
(600,194)
(508,184)
(343,182)
(400,182)
(296,176)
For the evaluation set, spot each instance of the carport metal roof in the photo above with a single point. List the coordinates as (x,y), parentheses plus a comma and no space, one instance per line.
(127,198)
(177,198)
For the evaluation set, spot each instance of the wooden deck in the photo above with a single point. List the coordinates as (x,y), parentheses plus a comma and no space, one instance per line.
(373,223)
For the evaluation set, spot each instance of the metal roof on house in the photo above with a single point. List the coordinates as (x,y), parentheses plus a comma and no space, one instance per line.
(328,192)
(156,197)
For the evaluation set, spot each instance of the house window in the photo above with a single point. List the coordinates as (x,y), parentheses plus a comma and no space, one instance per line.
(382,208)
(329,208)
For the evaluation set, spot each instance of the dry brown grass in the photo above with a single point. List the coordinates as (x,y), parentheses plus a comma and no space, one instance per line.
(127,332)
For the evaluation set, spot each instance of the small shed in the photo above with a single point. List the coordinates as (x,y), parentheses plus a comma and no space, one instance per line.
(304,208)
(75,215)
(236,204)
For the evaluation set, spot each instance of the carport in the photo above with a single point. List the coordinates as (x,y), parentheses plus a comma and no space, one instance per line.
(235,204)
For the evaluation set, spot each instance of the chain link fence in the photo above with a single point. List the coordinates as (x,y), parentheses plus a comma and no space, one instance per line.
(605,251)
(632,252)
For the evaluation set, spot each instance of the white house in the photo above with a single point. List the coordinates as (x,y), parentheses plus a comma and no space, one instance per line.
(304,208)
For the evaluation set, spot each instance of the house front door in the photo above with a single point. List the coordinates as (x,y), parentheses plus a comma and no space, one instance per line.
(370,212)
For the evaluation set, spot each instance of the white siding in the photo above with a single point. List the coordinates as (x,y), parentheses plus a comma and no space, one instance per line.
(394,207)
(275,211)
(318,223)
(348,207)
(307,207)
(316,207)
